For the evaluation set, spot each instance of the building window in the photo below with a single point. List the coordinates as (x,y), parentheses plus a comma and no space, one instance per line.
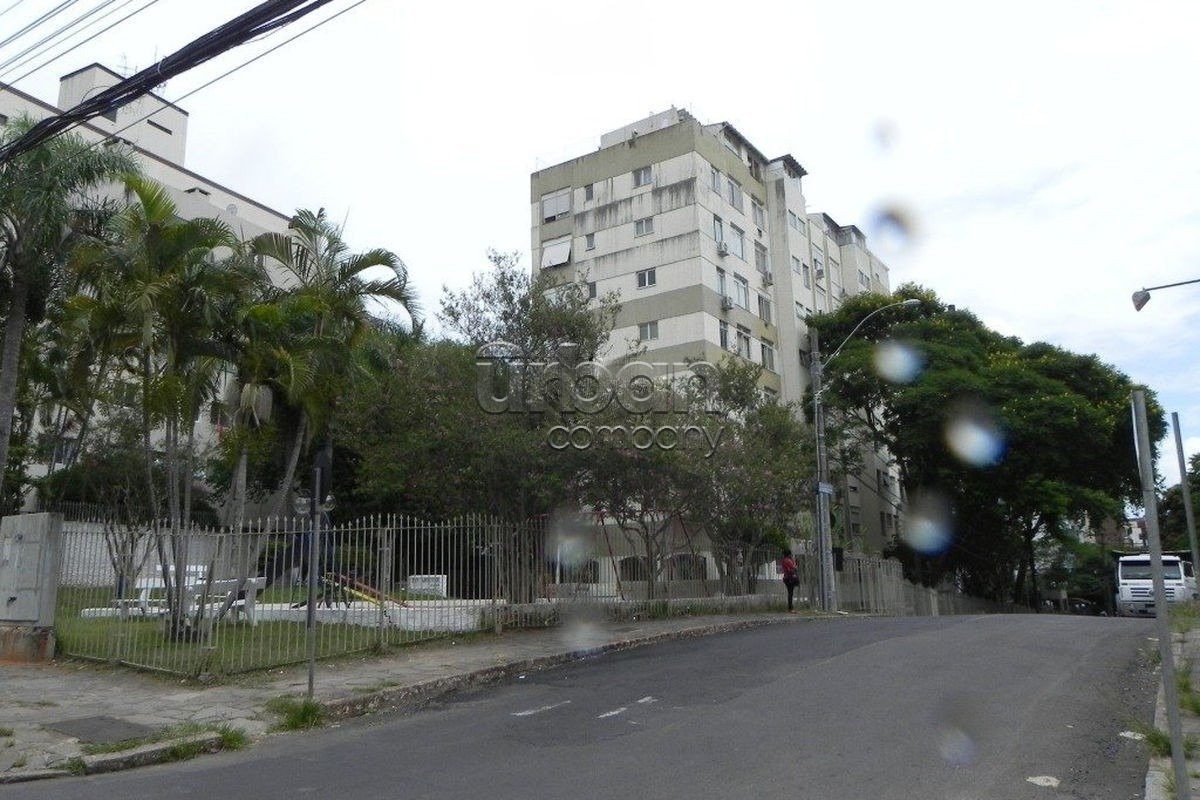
(648,331)
(793,221)
(743,341)
(737,241)
(735,194)
(760,258)
(646,278)
(818,264)
(716,181)
(807,276)
(764,309)
(718,229)
(722,286)
(641,176)
(800,311)
(591,290)
(556,205)
(589,192)
(3,119)
(162,128)
(800,226)
(760,216)
(556,252)
(723,333)
(643,226)
(863,280)
(741,292)
(589,241)
(768,356)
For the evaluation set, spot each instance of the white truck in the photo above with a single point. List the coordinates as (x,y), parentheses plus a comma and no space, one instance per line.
(1135,586)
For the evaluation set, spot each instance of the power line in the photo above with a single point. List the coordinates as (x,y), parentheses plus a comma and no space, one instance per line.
(10,8)
(56,33)
(261,19)
(115,134)
(75,47)
(60,7)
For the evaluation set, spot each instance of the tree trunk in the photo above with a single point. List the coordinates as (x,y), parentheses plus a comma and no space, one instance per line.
(289,475)
(1033,587)
(10,363)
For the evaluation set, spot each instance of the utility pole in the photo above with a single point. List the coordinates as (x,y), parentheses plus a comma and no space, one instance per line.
(1161,612)
(827,582)
(1185,489)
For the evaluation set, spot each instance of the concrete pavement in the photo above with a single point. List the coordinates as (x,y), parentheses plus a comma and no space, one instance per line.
(1009,707)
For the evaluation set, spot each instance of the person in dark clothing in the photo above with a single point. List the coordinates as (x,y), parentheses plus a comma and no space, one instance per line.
(791,578)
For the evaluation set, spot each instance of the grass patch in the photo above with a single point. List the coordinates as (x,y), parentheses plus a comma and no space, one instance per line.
(1185,616)
(296,715)
(5,731)
(1159,742)
(75,766)
(20,762)
(231,739)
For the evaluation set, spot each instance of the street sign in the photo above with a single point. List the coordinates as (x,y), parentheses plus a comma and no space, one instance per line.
(825,488)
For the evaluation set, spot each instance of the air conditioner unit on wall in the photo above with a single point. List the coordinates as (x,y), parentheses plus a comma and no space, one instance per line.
(768,278)
(722,249)
(726,303)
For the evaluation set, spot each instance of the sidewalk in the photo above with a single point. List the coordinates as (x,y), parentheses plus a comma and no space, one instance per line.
(34,698)
(1161,773)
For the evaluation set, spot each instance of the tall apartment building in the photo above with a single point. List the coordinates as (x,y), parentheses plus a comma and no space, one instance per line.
(156,130)
(713,250)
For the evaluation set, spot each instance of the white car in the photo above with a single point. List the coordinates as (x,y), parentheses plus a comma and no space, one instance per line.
(1135,586)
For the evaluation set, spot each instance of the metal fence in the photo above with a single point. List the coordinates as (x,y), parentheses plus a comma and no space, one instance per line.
(196,600)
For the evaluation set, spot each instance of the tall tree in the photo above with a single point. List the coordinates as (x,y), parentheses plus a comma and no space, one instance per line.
(40,193)
(329,291)
(1015,440)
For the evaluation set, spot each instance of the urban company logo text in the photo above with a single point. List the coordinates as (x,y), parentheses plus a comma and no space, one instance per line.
(507,383)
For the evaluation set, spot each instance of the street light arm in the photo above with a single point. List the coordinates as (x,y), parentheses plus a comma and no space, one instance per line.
(910,302)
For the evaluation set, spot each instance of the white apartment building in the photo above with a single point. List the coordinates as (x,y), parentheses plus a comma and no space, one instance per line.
(159,143)
(713,250)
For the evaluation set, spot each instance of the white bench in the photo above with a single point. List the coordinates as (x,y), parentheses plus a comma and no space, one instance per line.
(194,584)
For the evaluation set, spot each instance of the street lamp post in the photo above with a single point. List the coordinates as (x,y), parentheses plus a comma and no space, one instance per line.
(1142,296)
(827,583)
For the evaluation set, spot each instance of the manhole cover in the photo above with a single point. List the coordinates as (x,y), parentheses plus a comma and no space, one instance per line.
(100,730)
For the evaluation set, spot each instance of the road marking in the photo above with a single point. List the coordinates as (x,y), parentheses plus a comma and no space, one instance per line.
(648,699)
(1137,737)
(1049,781)
(533,711)
(613,713)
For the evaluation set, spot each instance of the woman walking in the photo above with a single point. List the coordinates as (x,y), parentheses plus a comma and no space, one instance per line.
(791,578)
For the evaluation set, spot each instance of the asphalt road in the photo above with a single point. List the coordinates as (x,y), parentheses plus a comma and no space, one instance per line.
(956,708)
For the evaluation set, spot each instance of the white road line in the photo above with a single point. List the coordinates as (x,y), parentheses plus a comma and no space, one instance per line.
(613,713)
(648,699)
(533,711)
(1048,781)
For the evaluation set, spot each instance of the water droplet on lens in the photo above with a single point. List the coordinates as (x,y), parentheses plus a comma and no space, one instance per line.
(957,747)
(928,527)
(973,436)
(897,362)
(892,229)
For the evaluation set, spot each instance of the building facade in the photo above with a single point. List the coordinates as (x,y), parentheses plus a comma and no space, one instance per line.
(712,250)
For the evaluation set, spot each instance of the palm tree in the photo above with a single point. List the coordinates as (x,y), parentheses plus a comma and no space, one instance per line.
(327,292)
(178,295)
(40,193)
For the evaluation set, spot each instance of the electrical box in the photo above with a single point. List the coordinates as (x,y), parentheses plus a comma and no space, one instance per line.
(30,547)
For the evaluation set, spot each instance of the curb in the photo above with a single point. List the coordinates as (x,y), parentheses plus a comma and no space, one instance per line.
(26,776)
(156,753)
(407,699)
(1160,771)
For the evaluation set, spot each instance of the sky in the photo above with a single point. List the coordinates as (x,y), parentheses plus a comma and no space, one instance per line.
(1045,152)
